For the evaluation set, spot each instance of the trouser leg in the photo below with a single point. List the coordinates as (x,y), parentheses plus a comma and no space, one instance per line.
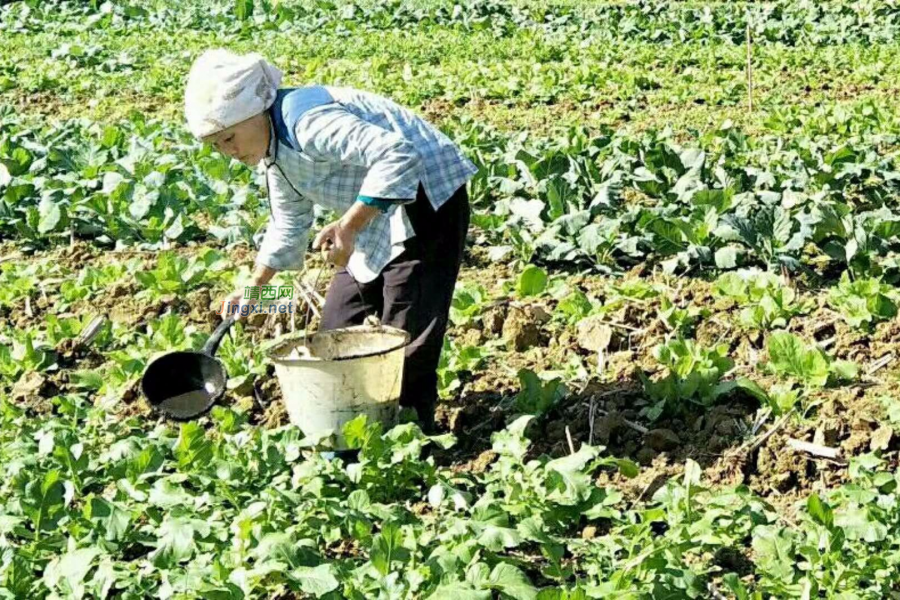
(347,303)
(418,290)
(413,293)
(426,322)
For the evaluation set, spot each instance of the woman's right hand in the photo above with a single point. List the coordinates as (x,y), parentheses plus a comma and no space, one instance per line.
(234,304)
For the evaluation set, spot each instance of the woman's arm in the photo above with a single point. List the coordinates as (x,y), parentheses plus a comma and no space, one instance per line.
(333,133)
(284,243)
(262,274)
(338,239)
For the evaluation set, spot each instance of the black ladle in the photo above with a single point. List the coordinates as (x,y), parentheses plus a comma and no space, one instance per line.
(185,384)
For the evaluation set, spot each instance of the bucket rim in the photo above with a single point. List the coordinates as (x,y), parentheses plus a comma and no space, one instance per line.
(277,344)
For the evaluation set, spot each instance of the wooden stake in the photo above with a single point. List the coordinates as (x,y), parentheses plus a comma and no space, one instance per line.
(749,66)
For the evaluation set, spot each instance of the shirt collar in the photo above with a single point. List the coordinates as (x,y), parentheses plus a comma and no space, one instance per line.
(272,152)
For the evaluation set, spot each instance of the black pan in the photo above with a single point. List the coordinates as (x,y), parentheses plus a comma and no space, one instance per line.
(184,385)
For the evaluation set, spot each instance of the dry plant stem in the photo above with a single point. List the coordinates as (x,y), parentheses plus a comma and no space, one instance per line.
(51,281)
(569,438)
(314,293)
(825,343)
(592,407)
(814,449)
(714,593)
(258,398)
(90,332)
(880,364)
(310,291)
(645,490)
(639,428)
(310,305)
(762,439)
(760,421)
(310,302)
(622,325)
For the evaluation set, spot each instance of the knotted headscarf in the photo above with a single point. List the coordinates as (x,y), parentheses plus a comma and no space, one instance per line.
(225,88)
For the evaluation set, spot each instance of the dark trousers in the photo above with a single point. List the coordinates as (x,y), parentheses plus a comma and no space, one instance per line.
(413,293)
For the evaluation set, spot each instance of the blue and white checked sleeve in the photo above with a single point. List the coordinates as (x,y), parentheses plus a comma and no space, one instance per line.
(332,133)
(287,235)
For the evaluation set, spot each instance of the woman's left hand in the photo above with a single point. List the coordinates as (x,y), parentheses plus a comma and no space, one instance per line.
(337,242)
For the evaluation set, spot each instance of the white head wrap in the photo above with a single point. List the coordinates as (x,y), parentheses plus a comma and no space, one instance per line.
(225,88)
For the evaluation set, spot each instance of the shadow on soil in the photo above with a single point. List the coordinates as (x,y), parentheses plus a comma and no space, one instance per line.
(606,415)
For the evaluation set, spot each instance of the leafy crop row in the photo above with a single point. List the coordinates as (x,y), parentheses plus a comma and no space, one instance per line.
(784,21)
(729,200)
(611,200)
(136,181)
(92,507)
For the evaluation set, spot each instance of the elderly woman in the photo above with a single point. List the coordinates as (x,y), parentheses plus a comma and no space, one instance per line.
(397,182)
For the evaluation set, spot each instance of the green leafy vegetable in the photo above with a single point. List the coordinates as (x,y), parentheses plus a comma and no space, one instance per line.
(789,355)
(863,301)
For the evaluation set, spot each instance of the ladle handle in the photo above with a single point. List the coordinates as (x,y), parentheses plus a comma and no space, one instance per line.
(212,344)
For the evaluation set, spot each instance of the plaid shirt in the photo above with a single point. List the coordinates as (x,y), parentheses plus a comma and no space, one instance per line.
(361,144)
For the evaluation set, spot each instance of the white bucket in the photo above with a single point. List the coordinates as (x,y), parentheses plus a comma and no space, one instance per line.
(334,376)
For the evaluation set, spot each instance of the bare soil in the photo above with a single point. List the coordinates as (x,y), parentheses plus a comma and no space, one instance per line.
(522,333)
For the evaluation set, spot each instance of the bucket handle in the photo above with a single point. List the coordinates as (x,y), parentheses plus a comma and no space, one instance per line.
(212,344)
(370,317)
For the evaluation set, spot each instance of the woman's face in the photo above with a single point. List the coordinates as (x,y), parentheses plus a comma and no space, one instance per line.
(248,141)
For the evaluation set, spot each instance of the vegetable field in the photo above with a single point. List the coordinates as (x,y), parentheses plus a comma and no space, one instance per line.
(673,369)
